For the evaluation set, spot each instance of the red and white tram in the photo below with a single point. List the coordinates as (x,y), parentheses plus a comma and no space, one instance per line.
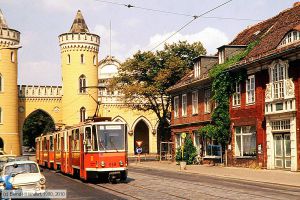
(92,150)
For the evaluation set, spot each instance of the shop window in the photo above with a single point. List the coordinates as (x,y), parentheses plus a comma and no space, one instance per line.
(212,148)
(245,141)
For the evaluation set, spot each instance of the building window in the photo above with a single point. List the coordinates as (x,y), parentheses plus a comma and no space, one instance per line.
(176,107)
(184,105)
(291,37)
(212,148)
(82,59)
(236,97)
(1,83)
(95,60)
(197,70)
(179,140)
(82,84)
(68,59)
(221,57)
(278,76)
(195,102)
(12,56)
(245,141)
(82,114)
(281,125)
(1,116)
(207,101)
(250,90)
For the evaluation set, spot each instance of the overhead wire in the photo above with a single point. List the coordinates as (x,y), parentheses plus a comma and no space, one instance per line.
(176,13)
(189,22)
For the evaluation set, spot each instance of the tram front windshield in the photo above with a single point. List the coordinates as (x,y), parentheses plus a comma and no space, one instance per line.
(111,137)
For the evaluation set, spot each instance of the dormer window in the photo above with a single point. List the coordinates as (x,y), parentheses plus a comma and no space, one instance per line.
(197,70)
(290,38)
(221,57)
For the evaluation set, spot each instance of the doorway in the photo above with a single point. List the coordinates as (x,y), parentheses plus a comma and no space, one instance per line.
(141,133)
(282,150)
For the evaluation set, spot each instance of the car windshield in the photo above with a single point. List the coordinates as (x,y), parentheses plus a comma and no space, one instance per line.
(111,137)
(21,168)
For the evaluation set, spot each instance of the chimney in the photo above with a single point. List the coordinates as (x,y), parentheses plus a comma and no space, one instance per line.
(296,4)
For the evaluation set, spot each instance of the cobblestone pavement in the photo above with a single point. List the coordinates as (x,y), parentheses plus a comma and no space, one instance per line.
(155,184)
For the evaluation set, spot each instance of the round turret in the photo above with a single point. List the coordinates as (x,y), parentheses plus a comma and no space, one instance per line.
(9,44)
(79,58)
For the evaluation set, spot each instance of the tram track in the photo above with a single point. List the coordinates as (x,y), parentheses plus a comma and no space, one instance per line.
(290,191)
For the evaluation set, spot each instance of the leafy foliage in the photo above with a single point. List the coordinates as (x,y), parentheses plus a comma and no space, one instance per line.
(223,85)
(189,152)
(144,78)
(37,123)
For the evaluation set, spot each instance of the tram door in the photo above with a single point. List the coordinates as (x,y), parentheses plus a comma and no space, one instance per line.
(282,147)
(70,170)
(62,155)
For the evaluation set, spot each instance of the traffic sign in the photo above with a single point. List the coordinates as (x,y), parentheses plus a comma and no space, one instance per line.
(139,150)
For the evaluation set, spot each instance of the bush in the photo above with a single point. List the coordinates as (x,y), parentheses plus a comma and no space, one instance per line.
(189,152)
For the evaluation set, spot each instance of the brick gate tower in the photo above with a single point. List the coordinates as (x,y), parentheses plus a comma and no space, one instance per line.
(79,58)
(9,44)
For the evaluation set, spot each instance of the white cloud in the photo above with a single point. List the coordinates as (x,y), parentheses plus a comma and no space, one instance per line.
(211,39)
(39,73)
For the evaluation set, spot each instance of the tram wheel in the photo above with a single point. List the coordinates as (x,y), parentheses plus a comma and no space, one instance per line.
(123,176)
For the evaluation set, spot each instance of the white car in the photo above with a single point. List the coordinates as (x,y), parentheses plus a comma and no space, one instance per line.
(25,175)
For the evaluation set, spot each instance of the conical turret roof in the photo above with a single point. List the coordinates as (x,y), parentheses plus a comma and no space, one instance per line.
(3,23)
(79,25)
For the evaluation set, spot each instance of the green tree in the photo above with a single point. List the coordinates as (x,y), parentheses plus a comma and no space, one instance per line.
(144,79)
(37,123)
(189,151)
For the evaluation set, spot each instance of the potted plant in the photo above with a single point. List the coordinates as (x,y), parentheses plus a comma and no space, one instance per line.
(186,154)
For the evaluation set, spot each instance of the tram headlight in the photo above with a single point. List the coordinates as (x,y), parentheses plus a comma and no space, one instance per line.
(121,163)
(102,164)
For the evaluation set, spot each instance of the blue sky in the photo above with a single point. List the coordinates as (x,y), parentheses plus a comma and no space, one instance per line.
(41,21)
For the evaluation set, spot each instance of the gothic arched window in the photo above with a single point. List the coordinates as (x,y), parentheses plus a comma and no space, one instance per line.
(82,84)
(1,83)
(82,114)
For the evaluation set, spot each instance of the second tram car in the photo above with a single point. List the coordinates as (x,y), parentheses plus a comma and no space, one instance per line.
(90,151)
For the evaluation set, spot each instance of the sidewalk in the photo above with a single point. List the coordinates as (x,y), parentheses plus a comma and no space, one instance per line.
(260,175)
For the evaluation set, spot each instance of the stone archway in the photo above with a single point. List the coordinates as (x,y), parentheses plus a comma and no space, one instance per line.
(141,133)
(36,123)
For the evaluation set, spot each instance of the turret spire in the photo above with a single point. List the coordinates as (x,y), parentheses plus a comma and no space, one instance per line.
(79,25)
(3,23)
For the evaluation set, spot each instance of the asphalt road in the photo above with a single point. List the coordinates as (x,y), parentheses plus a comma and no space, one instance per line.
(156,184)
(76,189)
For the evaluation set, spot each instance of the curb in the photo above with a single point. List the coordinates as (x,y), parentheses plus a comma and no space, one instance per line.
(219,176)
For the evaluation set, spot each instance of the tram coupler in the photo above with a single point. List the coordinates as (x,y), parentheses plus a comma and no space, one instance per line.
(113,176)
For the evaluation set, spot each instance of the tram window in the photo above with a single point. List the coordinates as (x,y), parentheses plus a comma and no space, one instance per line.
(73,140)
(57,142)
(51,143)
(45,144)
(88,138)
(77,148)
(94,139)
